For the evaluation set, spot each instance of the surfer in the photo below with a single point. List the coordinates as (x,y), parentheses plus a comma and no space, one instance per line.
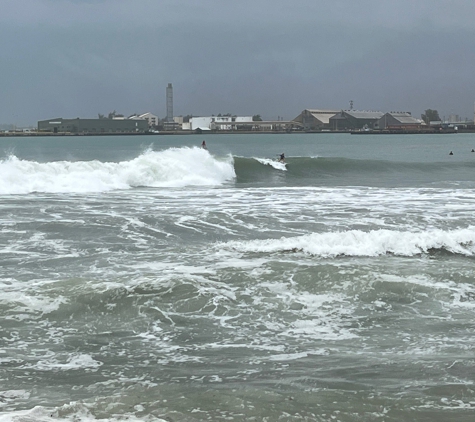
(282,158)
(203,145)
(451,153)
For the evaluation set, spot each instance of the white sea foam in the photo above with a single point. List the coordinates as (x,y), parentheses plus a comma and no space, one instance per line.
(322,316)
(288,356)
(359,243)
(273,163)
(71,412)
(74,362)
(174,167)
(9,396)
(27,304)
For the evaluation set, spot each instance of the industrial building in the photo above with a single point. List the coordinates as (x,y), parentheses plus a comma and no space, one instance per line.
(220,122)
(315,119)
(151,118)
(93,126)
(237,123)
(355,120)
(400,121)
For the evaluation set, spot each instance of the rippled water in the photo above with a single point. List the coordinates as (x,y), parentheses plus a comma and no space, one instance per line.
(164,282)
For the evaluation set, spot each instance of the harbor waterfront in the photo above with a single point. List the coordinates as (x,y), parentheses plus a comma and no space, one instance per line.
(146,279)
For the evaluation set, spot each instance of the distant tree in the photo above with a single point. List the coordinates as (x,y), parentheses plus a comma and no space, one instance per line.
(430,116)
(257,118)
(113,114)
(101,116)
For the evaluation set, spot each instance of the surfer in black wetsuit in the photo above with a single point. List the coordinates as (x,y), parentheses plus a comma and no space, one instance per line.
(282,158)
(203,145)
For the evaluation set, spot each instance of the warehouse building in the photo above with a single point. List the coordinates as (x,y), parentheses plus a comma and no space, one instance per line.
(355,120)
(93,126)
(313,119)
(402,120)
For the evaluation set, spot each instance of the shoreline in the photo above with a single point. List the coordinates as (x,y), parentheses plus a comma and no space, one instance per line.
(184,133)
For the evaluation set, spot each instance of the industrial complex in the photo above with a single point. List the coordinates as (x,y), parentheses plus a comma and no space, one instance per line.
(93,126)
(309,120)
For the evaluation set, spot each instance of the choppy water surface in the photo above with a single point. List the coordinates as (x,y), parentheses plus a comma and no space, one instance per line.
(165,282)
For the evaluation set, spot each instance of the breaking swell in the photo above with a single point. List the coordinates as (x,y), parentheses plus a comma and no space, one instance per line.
(369,244)
(173,167)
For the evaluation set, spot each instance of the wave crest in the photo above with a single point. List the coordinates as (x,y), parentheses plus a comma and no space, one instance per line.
(174,167)
(359,243)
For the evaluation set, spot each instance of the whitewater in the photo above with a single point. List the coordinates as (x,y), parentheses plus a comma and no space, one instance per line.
(174,167)
(157,281)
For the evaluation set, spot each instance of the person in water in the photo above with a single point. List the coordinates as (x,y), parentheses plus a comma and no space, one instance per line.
(282,158)
(451,153)
(203,145)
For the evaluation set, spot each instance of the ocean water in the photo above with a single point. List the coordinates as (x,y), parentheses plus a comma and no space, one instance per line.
(145,279)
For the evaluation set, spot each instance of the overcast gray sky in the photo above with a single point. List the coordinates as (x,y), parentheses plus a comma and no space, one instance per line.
(77,58)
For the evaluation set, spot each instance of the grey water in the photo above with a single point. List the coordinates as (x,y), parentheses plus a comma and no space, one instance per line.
(145,279)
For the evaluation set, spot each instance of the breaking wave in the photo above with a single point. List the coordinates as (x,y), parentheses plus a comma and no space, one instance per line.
(185,166)
(359,243)
(174,167)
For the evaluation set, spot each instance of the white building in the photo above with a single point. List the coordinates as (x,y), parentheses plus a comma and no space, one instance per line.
(454,118)
(200,122)
(219,122)
(151,118)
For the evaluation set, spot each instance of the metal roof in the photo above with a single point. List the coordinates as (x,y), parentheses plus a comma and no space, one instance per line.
(323,115)
(364,114)
(405,118)
(319,111)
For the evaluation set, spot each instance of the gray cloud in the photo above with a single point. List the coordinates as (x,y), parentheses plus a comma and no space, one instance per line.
(78,58)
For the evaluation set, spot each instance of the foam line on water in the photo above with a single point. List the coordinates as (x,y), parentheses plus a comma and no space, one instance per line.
(278,165)
(360,243)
